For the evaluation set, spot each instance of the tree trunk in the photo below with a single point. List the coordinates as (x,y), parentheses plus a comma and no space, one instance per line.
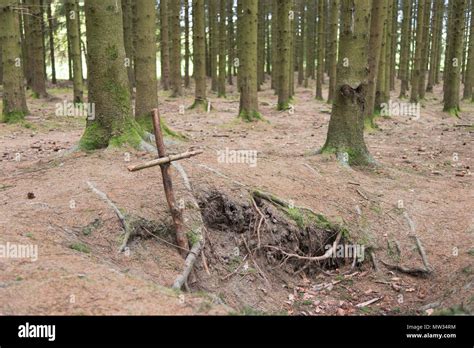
(128,40)
(214,43)
(417,66)
(14,100)
(436,23)
(187,52)
(36,50)
(230,41)
(248,28)
(405,48)
(301,41)
(175,51)
(346,127)
(469,82)
(321,47)
(453,79)
(426,48)
(333,27)
(112,122)
(51,29)
(261,44)
(199,54)
(145,63)
(222,48)
(379,17)
(311,40)
(283,67)
(72,23)
(165,43)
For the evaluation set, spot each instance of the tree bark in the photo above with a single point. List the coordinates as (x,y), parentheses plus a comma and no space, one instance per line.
(346,127)
(405,47)
(14,100)
(283,67)
(199,54)
(72,23)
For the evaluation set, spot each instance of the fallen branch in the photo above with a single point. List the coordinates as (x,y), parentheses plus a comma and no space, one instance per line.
(422,252)
(164,160)
(117,211)
(369,302)
(188,265)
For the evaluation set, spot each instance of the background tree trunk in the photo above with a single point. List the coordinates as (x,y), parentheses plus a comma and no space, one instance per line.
(175,51)
(283,53)
(199,54)
(222,48)
(165,46)
(72,22)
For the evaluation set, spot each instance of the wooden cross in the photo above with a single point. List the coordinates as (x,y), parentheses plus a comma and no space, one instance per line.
(164,161)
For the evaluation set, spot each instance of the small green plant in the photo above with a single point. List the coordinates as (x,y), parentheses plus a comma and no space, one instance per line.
(80,247)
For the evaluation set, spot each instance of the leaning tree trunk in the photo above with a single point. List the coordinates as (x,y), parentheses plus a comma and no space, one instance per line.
(36,57)
(145,63)
(112,122)
(199,53)
(165,44)
(346,127)
(14,100)
(379,17)
(248,28)
(175,51)
(453,78)
(72,23)
(283,53)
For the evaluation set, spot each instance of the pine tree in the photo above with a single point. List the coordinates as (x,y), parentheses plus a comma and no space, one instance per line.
(199,54)
(128,40)
(165,44)
(145,63)
(248,33)
(72,22)
(214,43)
(311,40)
(469,82)
(176,80)
(321,47)
(230,41)
(222,48)
(187,49)
(333,27)
(425,50)
(379,18)
(112,123)
(417,66)
(405,48)
(14,100)
(346,127)
(51,30)
(283,54)
(453,78)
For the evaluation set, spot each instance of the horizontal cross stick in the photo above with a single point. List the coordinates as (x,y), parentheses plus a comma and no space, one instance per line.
(164,160)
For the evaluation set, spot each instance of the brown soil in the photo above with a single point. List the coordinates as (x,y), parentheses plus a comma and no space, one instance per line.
(418,166)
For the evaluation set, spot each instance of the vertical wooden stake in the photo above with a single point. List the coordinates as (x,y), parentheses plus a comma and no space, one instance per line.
(176,213)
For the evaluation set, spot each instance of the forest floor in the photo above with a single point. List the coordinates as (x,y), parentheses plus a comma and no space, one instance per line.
(423,186)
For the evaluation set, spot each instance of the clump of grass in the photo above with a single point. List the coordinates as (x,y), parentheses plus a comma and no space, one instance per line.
(80,247)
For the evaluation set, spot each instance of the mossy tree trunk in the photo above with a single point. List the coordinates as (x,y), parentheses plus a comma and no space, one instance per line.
(14,100)
(248,28)
(346,127)
(165,44)
(321,48)
(453,78)
(469,82)
(72,23)
(36,56)
(146,98)
(112,123)
(333,27)
(405,48)
(283,54)
(176,80)
(379,17)
(222,48)
(418,58)
(128,40)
